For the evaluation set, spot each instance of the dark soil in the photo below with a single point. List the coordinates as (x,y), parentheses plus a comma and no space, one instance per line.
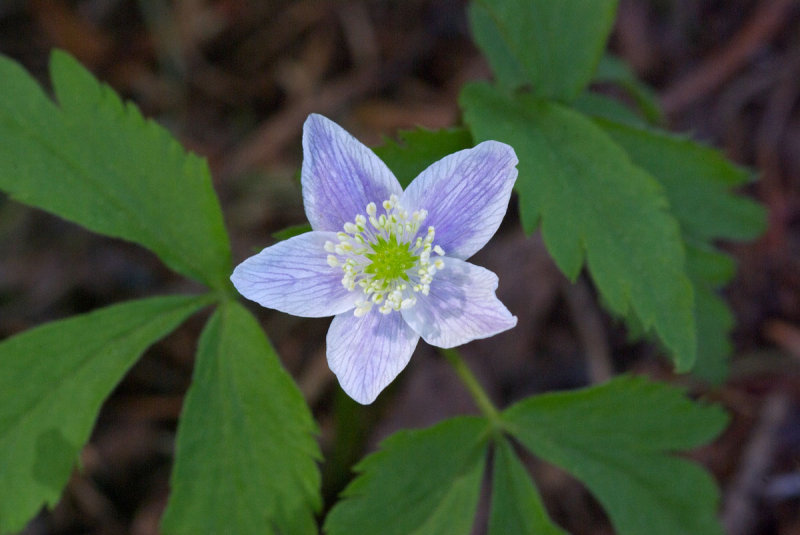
(234,81)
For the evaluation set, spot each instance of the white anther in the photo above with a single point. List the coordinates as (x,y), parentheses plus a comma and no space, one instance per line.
(362,308)
(394,230)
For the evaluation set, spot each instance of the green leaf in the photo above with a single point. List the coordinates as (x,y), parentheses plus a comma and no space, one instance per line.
(697,180)
(612,69)
(53,380)
(596,105)
(97,162)
(419,483)
(617,439)
(593,203)
(419,148)
(506,68)
(710,269)
(516,504)
(245,456)
(557,43)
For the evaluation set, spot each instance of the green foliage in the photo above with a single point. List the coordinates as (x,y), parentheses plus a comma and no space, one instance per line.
(516,504)
(594,205)
(597,105)
(698,182)
(245,460)
(53,380)
(97,162)
(420,482)
(508,71)
(613,70)
(556,44)
(419,148)
(616,438)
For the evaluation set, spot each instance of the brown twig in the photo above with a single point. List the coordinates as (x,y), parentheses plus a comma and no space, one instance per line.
(271,139)
(740,509)
(769,17)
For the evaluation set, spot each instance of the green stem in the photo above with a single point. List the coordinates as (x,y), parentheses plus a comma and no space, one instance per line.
(468,378)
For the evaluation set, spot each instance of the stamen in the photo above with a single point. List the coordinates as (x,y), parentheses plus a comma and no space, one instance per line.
(389,262)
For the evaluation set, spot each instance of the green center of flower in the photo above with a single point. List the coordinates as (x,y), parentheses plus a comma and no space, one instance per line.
(385,257)
(390,260)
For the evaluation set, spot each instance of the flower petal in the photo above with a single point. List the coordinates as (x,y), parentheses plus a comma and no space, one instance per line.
(461,307)
(367,353)
(466,195)
(293,276)
(340,175)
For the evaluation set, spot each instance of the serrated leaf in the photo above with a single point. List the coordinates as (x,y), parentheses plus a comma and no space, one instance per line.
(516,504)
(97,162)
(419,148)
(617,439)
(53,380)
(418,483)
(594,204)
(697,180)
(508,71)
(245,459)
(557,43)
(710,269)
(714,323)
(612,69)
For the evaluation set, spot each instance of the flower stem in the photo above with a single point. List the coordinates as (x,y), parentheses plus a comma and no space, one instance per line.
(471,382)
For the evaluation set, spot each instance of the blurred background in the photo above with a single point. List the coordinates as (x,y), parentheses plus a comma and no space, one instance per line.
(234,81)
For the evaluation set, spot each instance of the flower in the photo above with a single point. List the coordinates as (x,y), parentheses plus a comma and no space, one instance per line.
(389,265)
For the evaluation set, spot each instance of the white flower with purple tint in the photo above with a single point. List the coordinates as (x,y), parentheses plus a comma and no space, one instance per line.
(389,265)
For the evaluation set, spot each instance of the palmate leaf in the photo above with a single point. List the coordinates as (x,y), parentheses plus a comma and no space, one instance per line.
(53,380)
(246,456)
(423,482)
(516,504)
(594,204)
(95,161)
(617,439)
(557,44)
(698,182)
(417,149)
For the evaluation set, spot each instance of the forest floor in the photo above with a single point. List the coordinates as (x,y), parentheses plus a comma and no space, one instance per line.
(234,81)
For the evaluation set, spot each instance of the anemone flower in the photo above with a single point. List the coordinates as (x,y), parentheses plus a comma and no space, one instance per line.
(389,265)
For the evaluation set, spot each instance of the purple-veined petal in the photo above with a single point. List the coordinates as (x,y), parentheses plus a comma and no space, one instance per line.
(340,175)
(367,353)
(293,276)
(466,195)
(461,306)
